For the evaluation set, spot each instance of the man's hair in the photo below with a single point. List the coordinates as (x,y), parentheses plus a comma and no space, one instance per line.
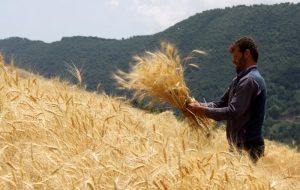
(243,44)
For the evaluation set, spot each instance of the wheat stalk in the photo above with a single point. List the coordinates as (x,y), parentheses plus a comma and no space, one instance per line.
(160,75)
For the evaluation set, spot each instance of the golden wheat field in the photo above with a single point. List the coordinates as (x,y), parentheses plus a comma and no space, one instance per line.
(57,136)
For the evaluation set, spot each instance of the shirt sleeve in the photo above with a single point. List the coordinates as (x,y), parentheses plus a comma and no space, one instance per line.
(221,103)
(240,102)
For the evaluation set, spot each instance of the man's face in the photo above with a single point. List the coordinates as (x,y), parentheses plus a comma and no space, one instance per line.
(238,59)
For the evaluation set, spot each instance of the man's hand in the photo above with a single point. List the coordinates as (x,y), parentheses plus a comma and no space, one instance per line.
(187,113)
(196,108)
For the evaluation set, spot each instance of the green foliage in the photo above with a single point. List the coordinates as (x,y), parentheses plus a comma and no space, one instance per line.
(275,28)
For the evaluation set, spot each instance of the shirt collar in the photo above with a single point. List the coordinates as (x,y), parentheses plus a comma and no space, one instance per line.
(245,71)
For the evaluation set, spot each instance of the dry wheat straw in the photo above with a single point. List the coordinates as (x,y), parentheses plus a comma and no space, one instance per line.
(160,75)
(76,73)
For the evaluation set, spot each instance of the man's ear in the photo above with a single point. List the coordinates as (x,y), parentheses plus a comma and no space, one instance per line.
(247,53)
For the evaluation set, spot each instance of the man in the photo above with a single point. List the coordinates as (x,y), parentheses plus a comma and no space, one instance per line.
(243,104)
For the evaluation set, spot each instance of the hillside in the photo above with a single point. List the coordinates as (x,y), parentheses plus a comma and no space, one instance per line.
(54,135)
(274,27)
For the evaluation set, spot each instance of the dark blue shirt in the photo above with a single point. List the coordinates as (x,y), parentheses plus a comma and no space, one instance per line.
(243,106)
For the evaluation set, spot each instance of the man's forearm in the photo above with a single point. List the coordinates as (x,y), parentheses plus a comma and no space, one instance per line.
(218,114)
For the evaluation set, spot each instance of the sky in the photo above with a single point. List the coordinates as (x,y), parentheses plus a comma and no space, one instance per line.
(50,20)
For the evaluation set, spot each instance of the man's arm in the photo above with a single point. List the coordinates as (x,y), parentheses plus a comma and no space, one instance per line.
(223,102)
(238,105)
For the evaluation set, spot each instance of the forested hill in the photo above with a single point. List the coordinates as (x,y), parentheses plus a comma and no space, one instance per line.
(275,28)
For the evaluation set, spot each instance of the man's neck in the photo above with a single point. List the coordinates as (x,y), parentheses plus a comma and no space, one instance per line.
(241,73)
(250,66)
(249,63)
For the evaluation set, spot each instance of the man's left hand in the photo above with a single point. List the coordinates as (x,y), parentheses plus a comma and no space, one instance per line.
(196,108)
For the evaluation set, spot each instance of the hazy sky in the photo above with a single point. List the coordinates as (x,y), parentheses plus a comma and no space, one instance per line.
(49,20)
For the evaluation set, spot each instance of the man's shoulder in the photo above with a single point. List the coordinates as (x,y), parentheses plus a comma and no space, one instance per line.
(247,80)
(255,77)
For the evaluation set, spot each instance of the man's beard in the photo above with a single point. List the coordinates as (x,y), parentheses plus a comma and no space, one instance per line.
(241,65)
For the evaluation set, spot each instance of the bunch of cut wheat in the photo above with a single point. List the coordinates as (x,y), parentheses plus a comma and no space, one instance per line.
(160,75)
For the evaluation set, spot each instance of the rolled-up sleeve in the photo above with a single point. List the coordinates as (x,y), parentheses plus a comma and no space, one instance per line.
(239,103)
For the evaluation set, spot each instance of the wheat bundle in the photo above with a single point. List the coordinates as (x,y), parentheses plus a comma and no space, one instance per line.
(160,75)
